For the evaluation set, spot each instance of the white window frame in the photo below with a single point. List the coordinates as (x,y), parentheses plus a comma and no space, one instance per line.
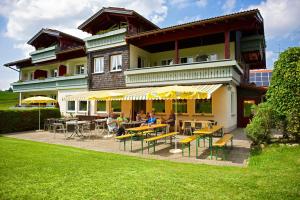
(71,111)
(81,67)
(53,72)
(87,107)
(101,68)
(187,58)
(168,61)
(118,62)
(105,111)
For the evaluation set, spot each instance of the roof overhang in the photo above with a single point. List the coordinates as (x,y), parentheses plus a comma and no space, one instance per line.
(246,20)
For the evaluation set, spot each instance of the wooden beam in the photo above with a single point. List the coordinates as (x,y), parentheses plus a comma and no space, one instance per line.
(227,45)
(176,59)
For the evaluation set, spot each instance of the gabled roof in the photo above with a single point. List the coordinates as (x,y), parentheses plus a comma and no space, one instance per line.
(46,35)
(86,26)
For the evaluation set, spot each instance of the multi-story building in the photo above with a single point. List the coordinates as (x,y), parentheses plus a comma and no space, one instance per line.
(126,52)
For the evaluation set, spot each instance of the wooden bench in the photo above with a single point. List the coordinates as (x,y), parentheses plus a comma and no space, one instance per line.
(221,144)
(188,141)
(124,138)
(154,139)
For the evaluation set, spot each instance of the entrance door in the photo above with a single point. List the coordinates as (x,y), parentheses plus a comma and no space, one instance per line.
(247,111)
(137,106)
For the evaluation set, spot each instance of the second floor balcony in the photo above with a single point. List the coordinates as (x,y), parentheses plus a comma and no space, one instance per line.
(220,71)
(52,83)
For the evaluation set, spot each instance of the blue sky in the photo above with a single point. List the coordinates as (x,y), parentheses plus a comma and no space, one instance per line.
(21,19)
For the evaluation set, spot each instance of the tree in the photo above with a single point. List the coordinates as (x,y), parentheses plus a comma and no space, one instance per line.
(284,91)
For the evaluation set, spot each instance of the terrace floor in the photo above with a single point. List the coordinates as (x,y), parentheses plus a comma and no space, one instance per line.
(237,156)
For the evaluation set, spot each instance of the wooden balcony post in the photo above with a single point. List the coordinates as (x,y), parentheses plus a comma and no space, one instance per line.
(176,59)
(227,45)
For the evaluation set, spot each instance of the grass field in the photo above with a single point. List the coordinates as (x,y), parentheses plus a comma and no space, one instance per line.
(31,170)
(8,99)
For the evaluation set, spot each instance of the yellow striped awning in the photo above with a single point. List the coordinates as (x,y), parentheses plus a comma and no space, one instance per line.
(134,93)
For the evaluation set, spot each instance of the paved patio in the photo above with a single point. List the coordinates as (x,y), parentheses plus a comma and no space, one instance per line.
(237,156)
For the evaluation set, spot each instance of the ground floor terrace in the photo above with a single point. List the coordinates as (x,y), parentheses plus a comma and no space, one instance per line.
(237,155)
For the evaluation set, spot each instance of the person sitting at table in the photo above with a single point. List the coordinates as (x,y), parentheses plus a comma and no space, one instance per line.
(138,117)
(121,118)
(150,120)
(143,115)
(112,125)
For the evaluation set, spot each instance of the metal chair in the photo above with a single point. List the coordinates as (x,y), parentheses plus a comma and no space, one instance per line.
(188,128)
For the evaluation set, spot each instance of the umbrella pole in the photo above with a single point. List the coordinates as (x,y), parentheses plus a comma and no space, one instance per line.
(175,150)
(39,118)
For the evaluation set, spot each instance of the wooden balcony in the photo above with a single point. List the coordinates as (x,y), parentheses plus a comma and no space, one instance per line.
(65,82)
(106,40)
(44,54)
(222,71)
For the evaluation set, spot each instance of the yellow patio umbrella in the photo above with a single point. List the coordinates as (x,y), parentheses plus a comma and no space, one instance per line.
(39,100)
(176,92)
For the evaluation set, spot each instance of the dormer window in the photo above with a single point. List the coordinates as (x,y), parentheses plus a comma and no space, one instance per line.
(116,62)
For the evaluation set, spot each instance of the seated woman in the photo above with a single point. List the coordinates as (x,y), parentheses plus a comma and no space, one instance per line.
(171,120)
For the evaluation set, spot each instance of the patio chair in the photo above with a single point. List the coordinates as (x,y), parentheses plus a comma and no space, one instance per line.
(58,127)
(198,125)
(70,129)
(188,130)
(89,127)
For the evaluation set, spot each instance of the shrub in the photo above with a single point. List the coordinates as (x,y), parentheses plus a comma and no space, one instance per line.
(284,91)
(13,120)
(259,130)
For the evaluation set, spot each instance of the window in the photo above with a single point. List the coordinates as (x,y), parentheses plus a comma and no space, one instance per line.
(186,60)
(54,73)
(101,106)
(232,102)
(203,106)
(99,65)
(80,69)
(213,57)
(167,62)
(116,106)
(180,106)
(141,62)
(158,106)
(116,62)
(71,106)
(83,105)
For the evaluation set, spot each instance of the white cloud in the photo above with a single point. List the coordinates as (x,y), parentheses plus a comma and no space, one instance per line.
(229,6)
(179,3)
(201,3)
(281,18)
(271,57)
(26,17)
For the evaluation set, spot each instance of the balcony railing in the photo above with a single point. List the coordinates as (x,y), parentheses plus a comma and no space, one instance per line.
(221,71)
(106,40)
(44,54)
(65,82)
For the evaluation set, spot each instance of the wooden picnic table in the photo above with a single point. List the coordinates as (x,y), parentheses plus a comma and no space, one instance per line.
(143,130)
(207,132)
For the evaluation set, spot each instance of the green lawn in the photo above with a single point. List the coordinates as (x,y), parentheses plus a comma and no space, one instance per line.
(31,170)
(8,99)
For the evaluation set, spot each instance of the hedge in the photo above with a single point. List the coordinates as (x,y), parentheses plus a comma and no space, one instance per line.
(14,120)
